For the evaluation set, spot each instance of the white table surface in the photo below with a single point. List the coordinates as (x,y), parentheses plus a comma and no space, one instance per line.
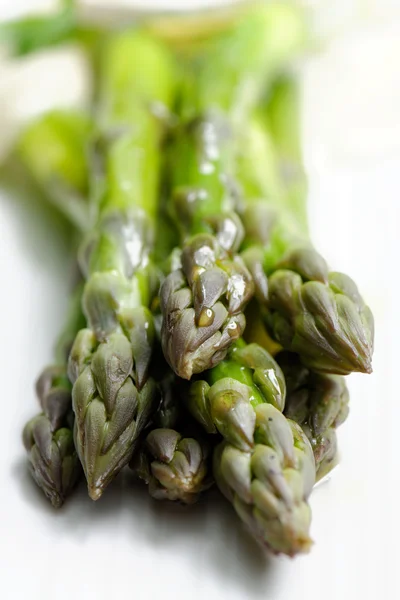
(127,546)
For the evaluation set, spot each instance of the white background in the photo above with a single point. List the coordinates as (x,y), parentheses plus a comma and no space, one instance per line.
(130,547)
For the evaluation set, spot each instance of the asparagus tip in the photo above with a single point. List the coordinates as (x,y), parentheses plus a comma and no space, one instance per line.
(302,545)
(56,500)
(368,368)
(95,492)
(364,364)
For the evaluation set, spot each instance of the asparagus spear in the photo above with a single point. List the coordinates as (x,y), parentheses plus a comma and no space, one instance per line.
(113,396)
(310,310)
(173,455)
(48,437)
(203,301)
(173,459)
(317,402)
(53,151)
(265,465)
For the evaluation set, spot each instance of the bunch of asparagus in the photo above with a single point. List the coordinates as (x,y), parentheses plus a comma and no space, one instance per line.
(155,368)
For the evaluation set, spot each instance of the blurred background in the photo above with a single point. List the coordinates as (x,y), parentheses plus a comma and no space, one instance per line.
(350,85)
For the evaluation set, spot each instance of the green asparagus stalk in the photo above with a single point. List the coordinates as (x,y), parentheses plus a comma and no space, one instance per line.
(113,395)
(36,32)
(310,310)
(283,120)
(174,456)
(265,465)
(203,301)
(319,403)
(48,437)
(54,151)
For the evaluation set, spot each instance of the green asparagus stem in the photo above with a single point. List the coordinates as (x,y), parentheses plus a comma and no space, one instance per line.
(48,437)
(54,150)
(203,301)
(283,120)
(38,32)
(310,310)
(319,403)
(113,397)
(265,465)
(33,33)
(173,459)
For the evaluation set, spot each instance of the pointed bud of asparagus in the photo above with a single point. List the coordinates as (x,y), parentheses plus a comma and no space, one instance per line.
(269,487)
(177,466)
(319,403)
(48,438)
(173,459)
(326,322)
(202,306)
